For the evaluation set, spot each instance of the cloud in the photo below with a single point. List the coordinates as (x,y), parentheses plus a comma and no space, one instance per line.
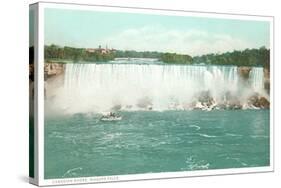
(193,42)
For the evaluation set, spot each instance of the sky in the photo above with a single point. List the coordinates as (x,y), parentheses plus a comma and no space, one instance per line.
(147,32)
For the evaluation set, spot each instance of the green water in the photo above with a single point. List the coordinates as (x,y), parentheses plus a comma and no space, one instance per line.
(145,142)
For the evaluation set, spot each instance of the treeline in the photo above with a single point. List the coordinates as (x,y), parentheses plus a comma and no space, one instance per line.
(75,54)
(81,54)
(136,54)
(176,58)
(248,57)
(165,57)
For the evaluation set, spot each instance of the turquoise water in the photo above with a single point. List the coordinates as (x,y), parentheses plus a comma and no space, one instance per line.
(147,141)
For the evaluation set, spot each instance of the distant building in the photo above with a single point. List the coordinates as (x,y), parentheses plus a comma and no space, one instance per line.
(90,50)
(103,51)
(100,50)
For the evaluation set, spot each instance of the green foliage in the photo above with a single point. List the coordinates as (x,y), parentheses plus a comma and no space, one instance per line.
(248,57)
(176,58)
(76,54)
(136,54)
(165,57)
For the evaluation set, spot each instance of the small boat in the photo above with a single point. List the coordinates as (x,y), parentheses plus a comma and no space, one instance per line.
(111,117)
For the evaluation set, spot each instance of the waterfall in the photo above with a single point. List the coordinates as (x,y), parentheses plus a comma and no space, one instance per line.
(256,78)
(101,87)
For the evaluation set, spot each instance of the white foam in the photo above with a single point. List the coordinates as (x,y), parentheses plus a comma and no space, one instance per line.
(231,134)
(206,135)
(71,172)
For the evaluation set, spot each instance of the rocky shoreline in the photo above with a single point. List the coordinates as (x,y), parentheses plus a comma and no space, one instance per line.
(230,102)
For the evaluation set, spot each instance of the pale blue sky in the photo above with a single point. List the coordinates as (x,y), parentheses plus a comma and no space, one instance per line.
(127,31)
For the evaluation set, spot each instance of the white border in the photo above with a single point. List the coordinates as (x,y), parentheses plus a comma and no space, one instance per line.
(43,182)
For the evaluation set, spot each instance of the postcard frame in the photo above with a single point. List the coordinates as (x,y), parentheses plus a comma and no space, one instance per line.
(39,96)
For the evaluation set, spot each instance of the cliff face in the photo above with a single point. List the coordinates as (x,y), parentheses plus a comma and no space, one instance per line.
(244,72)
(54,78)
(266,79)
(53,69)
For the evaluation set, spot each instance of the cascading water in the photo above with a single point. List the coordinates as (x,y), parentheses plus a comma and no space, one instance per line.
(101,87)
(256,79)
